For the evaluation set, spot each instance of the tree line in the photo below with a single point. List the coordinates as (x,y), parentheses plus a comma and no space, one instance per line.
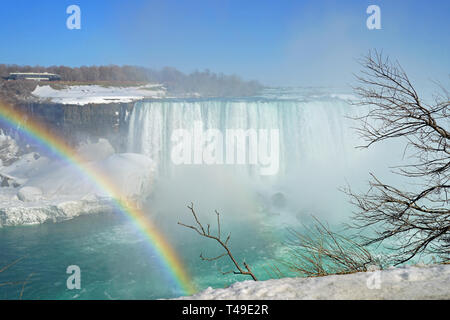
(205,83)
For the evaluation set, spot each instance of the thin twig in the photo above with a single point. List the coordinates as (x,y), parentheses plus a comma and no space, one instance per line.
(224,245)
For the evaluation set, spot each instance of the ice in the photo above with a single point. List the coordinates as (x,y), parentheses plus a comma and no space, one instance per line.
(56,190)
(8,149)
(408,282)
(96,151)
(93,94)
(29,194)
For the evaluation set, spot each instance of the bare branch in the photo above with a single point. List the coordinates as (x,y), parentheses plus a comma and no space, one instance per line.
(217,238)
(14,283)
(317,251)
(415,221)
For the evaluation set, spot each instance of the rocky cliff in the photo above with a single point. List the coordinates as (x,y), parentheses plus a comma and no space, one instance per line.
(79,123)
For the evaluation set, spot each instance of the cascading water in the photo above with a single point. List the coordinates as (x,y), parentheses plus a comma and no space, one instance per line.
(317,153)
(309,131)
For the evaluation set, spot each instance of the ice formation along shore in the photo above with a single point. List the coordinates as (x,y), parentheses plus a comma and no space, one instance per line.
(36,189)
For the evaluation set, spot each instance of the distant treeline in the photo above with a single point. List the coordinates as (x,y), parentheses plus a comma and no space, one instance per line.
(205,82)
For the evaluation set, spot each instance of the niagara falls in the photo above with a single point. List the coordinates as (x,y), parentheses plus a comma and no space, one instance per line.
(224,159)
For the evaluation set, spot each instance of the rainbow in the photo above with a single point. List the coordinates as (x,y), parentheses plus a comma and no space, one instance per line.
(41,135)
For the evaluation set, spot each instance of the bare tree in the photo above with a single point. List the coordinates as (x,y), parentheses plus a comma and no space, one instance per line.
(416,220)
(317,251)
(224,244)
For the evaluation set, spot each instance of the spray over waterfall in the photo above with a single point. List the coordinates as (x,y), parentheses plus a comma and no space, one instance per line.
(309,131)
(317,153)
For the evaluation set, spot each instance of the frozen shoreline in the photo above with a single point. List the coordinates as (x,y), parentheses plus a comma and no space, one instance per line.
(36,189)
(409,282)
(96,94)
(22,215)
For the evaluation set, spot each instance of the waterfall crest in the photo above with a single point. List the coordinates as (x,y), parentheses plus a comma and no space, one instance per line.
(309,131)
(317,153)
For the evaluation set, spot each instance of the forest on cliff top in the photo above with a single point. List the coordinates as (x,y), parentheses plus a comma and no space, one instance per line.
(205,83)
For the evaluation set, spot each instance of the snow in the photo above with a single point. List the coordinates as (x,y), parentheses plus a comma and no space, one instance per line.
(52,190)
(20,214)
(27,166)
(29,194)
(8,149)
(96,151)
(95,94)
(408,282)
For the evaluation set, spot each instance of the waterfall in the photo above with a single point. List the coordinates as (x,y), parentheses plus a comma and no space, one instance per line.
(317,153)
(310,132)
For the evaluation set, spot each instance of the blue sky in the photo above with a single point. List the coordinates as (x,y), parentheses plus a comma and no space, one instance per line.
(277,42)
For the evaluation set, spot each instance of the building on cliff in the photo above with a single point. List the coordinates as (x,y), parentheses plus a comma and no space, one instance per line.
(45,76)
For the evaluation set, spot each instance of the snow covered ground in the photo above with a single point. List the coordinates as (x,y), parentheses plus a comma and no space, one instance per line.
(8,149)
(36,189)
(92,94)
(410,282)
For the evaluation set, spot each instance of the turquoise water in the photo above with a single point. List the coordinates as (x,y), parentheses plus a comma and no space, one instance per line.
(116,261)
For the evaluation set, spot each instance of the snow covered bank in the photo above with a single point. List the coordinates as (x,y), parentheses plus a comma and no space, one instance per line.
(9,149)
(50,211)
(95,94)
(411,282)
(41,189)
